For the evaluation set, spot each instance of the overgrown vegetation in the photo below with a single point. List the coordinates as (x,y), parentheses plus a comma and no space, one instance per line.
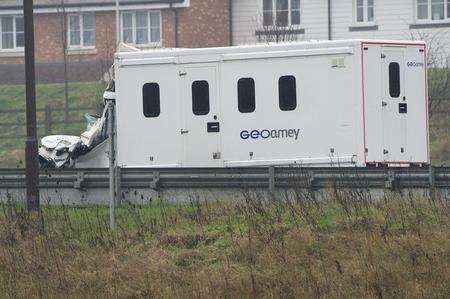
(293,246)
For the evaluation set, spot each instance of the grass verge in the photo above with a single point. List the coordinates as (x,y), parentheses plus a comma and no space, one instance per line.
(293,247)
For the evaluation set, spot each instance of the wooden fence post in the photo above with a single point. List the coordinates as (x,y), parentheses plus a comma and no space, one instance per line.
(48,119)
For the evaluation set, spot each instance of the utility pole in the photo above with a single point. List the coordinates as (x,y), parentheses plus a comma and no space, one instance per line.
(31,145)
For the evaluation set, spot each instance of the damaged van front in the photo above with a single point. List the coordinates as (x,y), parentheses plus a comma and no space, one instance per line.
(89,150)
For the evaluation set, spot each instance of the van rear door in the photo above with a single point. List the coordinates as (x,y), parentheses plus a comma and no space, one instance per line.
(394,106)
(395,103)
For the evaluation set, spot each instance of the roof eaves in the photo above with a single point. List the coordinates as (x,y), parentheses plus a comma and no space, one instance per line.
(94,4)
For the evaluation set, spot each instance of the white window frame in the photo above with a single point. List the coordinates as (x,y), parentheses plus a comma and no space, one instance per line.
(149,44)
(81,26)
(365,12)
(274,14)
(15,48)
(429,18)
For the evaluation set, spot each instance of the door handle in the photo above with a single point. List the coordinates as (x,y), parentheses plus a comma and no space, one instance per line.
(184,131)
(402,108)
(213,127)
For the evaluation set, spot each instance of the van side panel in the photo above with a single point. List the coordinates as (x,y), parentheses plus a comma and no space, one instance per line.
(148,141)
(323,124)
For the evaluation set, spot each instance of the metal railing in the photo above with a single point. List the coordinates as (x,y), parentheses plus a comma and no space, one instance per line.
(257,177)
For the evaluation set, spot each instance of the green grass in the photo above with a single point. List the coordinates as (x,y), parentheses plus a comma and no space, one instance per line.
(80,94)
(296,248)
(13,97)
(440,139)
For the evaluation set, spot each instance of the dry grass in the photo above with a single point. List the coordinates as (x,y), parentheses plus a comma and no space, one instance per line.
(294,246)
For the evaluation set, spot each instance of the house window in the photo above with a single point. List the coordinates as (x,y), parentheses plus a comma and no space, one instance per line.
(151,100)
(11,32)
(200,97)
(141,28)
(81,30)
(422,9)
(287,93)
(434,10)
(281,13)
(365,11)
(437,9)
(246,95)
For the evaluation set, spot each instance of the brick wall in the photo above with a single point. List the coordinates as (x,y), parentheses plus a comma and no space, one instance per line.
(49,53)
(49,38)
(168,28)
(204,24)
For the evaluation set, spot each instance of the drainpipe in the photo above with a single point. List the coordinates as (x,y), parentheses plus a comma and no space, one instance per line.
(329,21)
(230,15)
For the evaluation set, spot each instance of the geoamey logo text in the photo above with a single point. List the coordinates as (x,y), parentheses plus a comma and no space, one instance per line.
(270,134)
(415,64)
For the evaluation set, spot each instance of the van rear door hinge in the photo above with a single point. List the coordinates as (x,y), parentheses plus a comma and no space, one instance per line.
(383,56)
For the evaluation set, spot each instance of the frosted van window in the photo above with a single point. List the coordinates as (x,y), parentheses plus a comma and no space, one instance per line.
(246,95)
(200,97)
(394,79)
(151,99)
(287,93)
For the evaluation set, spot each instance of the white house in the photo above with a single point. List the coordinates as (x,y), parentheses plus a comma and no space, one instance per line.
(254,20)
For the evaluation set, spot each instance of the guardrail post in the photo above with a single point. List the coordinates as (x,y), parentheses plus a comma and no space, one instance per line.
(390,180)
(271,179)
(78,184)
(118,192)
(154,184)
(310,179)
(431,176)
(432,180)
(48,119)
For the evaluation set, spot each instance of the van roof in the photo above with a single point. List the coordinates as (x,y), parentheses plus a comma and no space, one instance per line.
(173,55)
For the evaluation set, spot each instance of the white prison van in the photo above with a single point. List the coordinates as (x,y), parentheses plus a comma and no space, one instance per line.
(330,103)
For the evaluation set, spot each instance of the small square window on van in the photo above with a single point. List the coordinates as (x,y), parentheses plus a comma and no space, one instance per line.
(394,80)
(287,93)
(200,97)
(151,100)
(246,95)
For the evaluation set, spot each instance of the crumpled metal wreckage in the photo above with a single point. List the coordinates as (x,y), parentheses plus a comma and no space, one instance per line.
(59,151)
